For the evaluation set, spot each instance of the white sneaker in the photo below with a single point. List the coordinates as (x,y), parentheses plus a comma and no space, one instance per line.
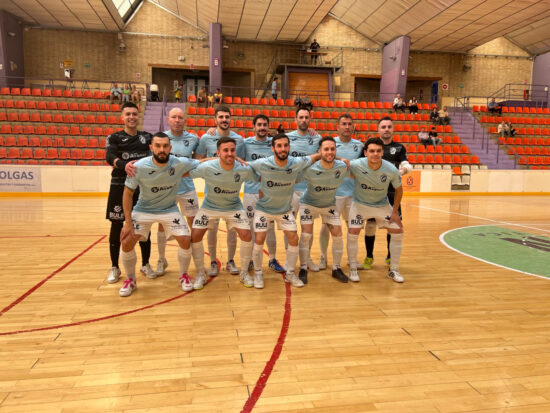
(322,263)
(128,287)
(246,280)
(114,275)
(162,264)
(213,271)
(394,275)
(185,281)
(200,280)
(312,266)
(258,280)
(232,268)
(293,279)
(353,276)
(148,271)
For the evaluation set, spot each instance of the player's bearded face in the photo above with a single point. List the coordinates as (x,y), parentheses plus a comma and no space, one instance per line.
(385,129)
(223,120)
(161,150)
(302,119)
(281,149)
(328,152)
(261,128)
(227,153)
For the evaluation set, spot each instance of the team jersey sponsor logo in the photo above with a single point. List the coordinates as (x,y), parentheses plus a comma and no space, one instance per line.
(357,220)
(272,184)
(325,188)
(296,153)
(156,189)
(370,188)
(219,190)
(202,221)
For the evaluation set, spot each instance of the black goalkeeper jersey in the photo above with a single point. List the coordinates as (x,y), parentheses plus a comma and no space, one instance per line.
(128,148)
(394,153)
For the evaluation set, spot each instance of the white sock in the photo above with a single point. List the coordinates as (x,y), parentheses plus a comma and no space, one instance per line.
(257,256)
(212,241)
(197,250)
(271,242)
(161,244)
(396,243)
(304,247)
(352,250)
(291,258)
(246,252)
(184,258)
(129,261)
(232,245)
(337,251)
(324,236)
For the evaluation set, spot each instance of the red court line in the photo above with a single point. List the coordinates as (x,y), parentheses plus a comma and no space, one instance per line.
(51,236)
(33,289)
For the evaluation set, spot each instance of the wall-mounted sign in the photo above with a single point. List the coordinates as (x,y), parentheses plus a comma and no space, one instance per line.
(216,61)
(68,64)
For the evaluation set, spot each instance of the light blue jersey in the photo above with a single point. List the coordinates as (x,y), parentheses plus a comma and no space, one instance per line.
(255,149)
(322,184)
(183,146)
(158,184)
(207,145)
(302,146)
(222,187)
(348,150)
(371,186)
(277,182)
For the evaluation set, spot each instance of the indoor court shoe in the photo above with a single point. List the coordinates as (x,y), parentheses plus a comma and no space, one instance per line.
(275,266)
(302,275)
(258,280)
(367,264)
(394,275)
(232,268)
(213,270)
(322,263)
(148,271)
(162,264)
(312,266)
(128,287)
(200,280)
(114,275)
(246,280)
(185,281)
(293,279)
(353,276)
(339,275)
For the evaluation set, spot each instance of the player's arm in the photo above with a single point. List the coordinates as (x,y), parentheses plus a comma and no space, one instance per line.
(396,203)
(315,157)
(127,205)
(346,161)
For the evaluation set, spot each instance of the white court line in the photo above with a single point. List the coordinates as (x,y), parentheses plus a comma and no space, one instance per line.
(480,259)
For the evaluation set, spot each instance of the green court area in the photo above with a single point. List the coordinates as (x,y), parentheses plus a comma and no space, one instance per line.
(517,250)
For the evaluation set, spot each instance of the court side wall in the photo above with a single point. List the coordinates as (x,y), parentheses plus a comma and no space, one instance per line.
(94,179)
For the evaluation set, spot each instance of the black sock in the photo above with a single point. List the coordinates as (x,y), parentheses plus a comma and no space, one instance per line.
(369,245)
(388,238)
(145,250)
(114,242)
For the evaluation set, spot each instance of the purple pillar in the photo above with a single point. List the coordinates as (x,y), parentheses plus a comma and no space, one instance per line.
(11,50)
(216,45)
(395,65)
(541,74)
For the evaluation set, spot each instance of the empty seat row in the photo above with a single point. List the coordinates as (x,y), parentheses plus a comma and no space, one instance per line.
(449,149)
(67,93)
(513,119)
(53,105)
(51,162)
(47,141)
(525,131)
(524,141)
(443,159)
(59,118)
(512,109)
(52,153)
(528,150)
(7,129)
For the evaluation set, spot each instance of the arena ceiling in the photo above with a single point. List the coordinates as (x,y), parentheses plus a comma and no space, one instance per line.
(432,25)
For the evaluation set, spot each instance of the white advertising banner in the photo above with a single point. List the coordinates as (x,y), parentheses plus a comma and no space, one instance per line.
(20,178)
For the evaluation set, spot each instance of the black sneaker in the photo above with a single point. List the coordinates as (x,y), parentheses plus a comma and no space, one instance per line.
(302,275)
(339,275)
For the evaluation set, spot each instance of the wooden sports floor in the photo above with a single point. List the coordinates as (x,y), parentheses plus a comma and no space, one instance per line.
(460,335)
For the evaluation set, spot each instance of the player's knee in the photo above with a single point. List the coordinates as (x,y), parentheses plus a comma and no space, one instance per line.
(292,238)
(184,242)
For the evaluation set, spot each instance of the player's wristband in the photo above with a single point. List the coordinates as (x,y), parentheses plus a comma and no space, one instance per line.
(120,164)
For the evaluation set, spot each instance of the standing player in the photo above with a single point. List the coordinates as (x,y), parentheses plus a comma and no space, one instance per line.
(183,145)
(257,147)
(223,179)
(278,175)
(350,149)
(396,154)
(121,149)
(373,175)
(158,177)
(323,179)
(207,148)
(303,141)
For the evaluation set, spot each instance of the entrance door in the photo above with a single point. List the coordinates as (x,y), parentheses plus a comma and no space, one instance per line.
(435,92)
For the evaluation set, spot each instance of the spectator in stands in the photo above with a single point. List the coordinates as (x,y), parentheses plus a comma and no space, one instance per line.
(511,130)
(210,99)
(502,129)
(135,95)
(177,93)
(274,88)
(494,107)
(443,118)
(413,105)
(434,116)
(398,103)
(116,93)
(433,139)
(202,98)
(423,136)
(314,47)
(154,92)
(126,93)
(218,96)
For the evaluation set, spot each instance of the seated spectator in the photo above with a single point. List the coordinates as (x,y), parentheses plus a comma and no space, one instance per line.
(423,136)
(210,99)
(511,130)
(413,105)
(202,99)
(154,92)
(502,129)
(178,92)
(126,93)
(398,103)
(434,140)
(443,116)
(434,116)
(218,96)
(135,95)
(494,107)
(116,93)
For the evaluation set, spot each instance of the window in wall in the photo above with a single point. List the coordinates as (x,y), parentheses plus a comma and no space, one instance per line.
(126,7)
